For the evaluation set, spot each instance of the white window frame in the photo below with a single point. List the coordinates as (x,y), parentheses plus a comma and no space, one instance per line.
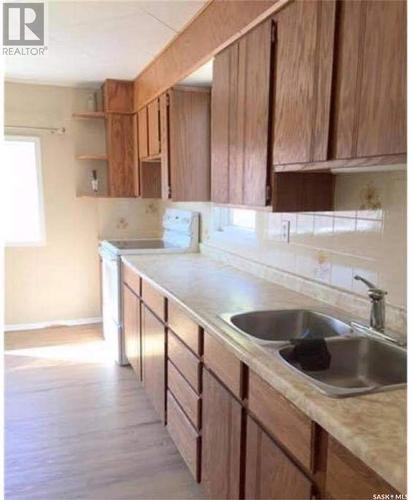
(36,141)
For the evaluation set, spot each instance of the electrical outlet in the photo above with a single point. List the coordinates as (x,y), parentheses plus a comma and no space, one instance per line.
(285,231)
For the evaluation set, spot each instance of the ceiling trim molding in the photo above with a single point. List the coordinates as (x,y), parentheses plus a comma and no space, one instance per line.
(216,25)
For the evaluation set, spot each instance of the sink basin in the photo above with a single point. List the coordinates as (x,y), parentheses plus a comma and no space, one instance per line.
(285,325)
(358,365)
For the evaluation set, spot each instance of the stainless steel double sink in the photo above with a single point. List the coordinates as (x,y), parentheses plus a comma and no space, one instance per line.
(357,364)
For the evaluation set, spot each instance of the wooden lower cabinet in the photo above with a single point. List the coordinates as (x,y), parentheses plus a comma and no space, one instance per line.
(221,440)
(270,474)
(184,435)
(153,354)
(132,329)
(349,478)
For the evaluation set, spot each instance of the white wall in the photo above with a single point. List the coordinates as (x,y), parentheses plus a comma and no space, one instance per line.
(60,280)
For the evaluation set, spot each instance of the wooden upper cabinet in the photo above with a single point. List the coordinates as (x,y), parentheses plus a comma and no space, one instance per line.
(143,133)
(220,112)
(240,120)
(154,132)
(118,96)
(189,144)
(302,74)
(221,441)
(370,90)
(269,472)
(122,155)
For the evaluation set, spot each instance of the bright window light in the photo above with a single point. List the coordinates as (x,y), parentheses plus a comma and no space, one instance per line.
(242,218)
(24,224)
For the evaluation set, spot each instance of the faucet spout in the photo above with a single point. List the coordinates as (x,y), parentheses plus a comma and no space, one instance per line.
(378,307)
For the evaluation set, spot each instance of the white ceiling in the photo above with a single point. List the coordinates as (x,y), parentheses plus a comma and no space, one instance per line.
(89,41)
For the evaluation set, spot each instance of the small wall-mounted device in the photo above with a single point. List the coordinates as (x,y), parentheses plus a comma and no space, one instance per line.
(285,231)
(95,182)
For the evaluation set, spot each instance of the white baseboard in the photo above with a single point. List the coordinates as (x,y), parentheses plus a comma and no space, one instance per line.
(48,324)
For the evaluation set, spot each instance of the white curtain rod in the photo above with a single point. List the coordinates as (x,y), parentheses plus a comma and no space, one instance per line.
(52,130)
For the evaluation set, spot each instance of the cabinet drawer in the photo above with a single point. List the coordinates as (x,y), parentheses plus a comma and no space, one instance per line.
(223,363)
(188,399)
(132,279)
(349,478)
(186,329)
(184,436)
(153,299)
(282,419)
(185,361)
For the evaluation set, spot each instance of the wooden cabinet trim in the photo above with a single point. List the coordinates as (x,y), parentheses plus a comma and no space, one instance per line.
(118,96)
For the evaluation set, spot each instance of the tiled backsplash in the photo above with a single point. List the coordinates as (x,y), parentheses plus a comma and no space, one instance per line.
(366,235)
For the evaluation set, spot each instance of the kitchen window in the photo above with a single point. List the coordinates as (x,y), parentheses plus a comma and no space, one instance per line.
(24,224)
(234,219)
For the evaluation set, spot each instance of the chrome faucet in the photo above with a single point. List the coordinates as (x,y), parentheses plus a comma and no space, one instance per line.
(378,312)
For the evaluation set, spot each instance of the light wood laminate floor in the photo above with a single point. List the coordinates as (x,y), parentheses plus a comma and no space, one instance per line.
(80,427)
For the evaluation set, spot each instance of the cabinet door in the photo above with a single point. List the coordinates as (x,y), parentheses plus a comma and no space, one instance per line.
(220,123)
(221,441)
(165,170)
(370,89)
(348,478)
(154,128)
(303,61)
(190,147)
(269,472)
(143,132)
(131,329)
(121,150)
(154,360)
(240,120)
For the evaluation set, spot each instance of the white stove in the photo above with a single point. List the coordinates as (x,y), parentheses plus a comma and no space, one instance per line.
(180,234)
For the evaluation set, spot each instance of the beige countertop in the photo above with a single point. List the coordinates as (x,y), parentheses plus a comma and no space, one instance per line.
(372,426)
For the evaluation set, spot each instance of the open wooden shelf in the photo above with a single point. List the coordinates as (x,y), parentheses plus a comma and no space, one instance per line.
(92,157)
(85,115)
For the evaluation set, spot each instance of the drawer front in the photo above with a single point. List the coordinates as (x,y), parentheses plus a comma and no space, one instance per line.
(153,299)
(282,419)
(188,399)
(185,361)
(184,436)
(349,478)
(186,329)
(223,363)
(132,279)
